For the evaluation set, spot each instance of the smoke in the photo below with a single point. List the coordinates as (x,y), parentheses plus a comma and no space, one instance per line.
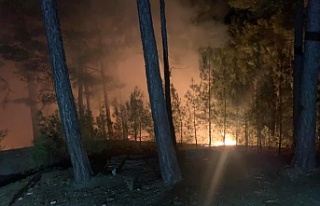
(189,26)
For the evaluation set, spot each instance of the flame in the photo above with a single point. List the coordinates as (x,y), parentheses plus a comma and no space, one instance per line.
(229,141)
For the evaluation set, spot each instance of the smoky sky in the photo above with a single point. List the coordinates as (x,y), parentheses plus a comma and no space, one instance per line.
(118,23)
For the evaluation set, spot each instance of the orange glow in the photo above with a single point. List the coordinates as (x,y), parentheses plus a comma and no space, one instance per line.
(230,141)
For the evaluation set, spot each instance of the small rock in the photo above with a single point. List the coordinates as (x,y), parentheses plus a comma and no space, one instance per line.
(53,202)
(114,172)
(20,198)
(29,193)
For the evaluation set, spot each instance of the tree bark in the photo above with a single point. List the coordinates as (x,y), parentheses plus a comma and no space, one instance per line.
(169,167)
(79,159)
(298,66)
(305,143)
(166,70)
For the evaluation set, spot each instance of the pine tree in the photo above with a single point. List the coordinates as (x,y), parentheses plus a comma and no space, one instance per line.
(79,159)
(178,113)
(170,170)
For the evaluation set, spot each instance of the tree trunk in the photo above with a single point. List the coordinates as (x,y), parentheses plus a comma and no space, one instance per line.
(79,159)
(194,113)
(181,126)
(318,121)
(209,102)
(104,86)
(135,130)
(106,102)
(224,115)
(169,167)
(246,134)
(237,125)
(32,93)
(88,96)
(124,123)
(140,133)
(80,95)
(256,112)
(195,126)
(280,107)
(298,66)
(166,70)
(305,144)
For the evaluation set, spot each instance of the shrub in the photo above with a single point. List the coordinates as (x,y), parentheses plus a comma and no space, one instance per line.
(50,146)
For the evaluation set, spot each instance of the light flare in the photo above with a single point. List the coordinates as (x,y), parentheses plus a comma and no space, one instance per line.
(229,141)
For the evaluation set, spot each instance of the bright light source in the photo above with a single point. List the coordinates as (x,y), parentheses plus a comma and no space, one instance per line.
(229,141)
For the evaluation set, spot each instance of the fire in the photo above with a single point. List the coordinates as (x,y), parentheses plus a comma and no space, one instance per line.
(229,141)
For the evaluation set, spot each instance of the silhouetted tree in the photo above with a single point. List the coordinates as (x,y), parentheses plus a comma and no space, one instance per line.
(192,99)
(166,69)
(169,166)
(26,50)
(79,159)
(178,113)
(298,65)
(305,143)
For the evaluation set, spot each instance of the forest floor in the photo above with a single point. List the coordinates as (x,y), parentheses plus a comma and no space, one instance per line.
(217,177)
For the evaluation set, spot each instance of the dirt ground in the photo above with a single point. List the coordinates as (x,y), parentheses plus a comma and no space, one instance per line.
(216,177)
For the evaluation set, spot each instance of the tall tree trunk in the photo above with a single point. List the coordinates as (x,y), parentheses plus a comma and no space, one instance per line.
(224,115)
(279,94)
(305,143)
(209,102)
(298,66)
(104,86)
(181,130)
(237,125)
(246,134)
(194,113)
(169,166)
(106,102)
(166,70)
(256,112)
(80,95)
(124,123)
(79,159)
(88,96)
(256,103)
(135,130)
(318,121)
(140,133)
(32,93)
(195,126)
